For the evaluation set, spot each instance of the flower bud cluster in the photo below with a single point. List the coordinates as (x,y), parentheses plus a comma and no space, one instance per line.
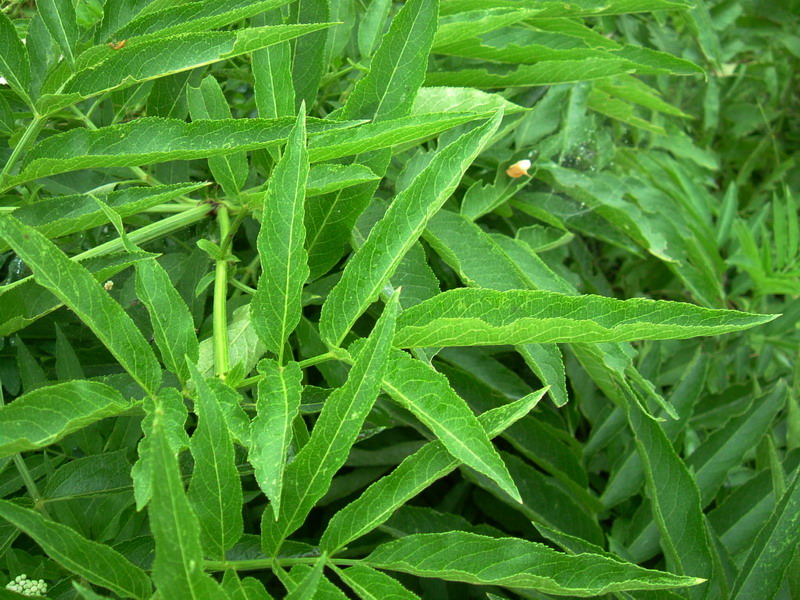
(27,587)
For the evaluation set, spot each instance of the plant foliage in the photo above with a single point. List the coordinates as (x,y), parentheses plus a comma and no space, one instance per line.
(424,299)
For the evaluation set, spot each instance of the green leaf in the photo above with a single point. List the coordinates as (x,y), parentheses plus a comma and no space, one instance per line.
(215,490)
(465,25)
(277,305)
(325,589)
(674,498)
(384,134)
(308,52)
(79,290)
(88,12)
(455,99)
(370,584)
(208,102)
(172,414)
(726,447)
(327,178)
(467,249)
(90,476)
(278,405)
(308,477)
(195,17)
(272,72)
(419,470)
(372,266)
(307,587)
(772,552)
(153,140)
(15,65)
(371,27)
(627,476)
(544,500)
(104,69)
(248,588)
(397,70)
(95,562)
(427,395)
(581,8)
(178,564)
(546,72)
(473,317)
(512,562)
(60,20)
(46,415)
(24,302)
(173,327)
(68,366)
(62,215)
(385,93)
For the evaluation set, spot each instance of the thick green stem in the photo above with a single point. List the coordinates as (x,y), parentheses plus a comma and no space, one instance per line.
(221,361)
(33,129)
(140,236)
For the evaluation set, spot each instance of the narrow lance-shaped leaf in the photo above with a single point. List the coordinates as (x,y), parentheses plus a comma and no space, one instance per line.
(78,289)
(774,549)
(278,404)
(386,92)
(571,9)
(723,449)
(272,74)
(104,69)
(675,500)
(276,305)
(512,562)
(384,134)
(309,476)
(208,102)
(372,266)
(371,584)
(248,588)
(46,415)
(59,18)
(154,140)
(306,589)
(189,17)
(215,490)
(427,394)
(173,326)
(431,462)
(500,263)
(172,412)
(98,563)
(62,215)
(547,72)
(308,52)
(475,317)
(178,564)
(15,65)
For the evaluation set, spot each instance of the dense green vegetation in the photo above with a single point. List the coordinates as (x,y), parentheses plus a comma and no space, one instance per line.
(391,300)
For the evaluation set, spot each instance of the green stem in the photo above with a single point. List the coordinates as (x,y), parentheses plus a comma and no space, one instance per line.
(140,236)
(221,360)
(30,133)
(26,476)
(30,484)
(266,563)
(314,360)
(170,208)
